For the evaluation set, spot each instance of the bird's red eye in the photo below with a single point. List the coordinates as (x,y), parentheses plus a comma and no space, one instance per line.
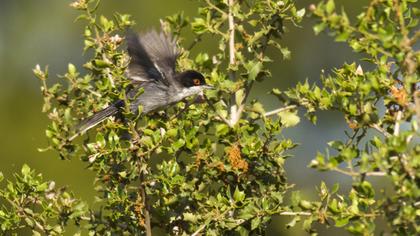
(196,81)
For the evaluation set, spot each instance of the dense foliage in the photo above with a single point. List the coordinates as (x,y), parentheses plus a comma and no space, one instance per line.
(382,108)
(216,168)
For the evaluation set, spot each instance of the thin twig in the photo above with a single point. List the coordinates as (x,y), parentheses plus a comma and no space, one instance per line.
(375,173)
(291,213)
(276,111)
(355,174)
(216,8)
(216,218)
(234,110)
(237,109)
(196,40)
(232,58)
(147,224)
(218,115)
(380,130)
(201,228)
(415,37)
(397,123)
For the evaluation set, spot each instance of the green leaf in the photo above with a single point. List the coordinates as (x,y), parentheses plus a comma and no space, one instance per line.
(288,118)
(101,63)
(301,13)
(178,144)
(42,187)
(253,68)
(36,233)
(341,222)
(333,206)
(100,140)
(286,53)
(336,144)
(295,198)
(343,36)
(258,107)
(307,224)
(255,223)
(318,28)
(72,69)
(238,196)
(330,6)
(199,25)
(335,188)
(239,97)
(305,204)
(222,129)
(190,217)
(293,222)
(323,191)
(172,133)
(25,170)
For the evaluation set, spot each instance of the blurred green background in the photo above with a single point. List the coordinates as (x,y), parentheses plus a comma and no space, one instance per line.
(43,32)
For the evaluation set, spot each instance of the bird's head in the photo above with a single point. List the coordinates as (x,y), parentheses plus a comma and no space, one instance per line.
(192,82)
(192,78)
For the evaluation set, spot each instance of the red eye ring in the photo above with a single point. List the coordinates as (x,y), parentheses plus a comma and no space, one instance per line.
(196,81)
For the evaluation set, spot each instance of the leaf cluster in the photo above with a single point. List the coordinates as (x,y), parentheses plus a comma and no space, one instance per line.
(217,168)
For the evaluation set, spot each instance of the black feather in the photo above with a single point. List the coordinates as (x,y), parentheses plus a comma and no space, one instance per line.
(153,57)
(163,51)
(97,118)
(141,65)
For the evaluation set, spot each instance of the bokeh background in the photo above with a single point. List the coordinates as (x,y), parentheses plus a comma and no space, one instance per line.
(44,32)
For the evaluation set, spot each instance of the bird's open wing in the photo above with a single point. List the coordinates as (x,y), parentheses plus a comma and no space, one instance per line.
(141,67)
(153,56)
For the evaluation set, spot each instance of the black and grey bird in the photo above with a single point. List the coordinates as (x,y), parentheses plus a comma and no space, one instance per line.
(152,67)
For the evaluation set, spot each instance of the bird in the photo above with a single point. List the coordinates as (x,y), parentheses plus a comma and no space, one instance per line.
(152,67)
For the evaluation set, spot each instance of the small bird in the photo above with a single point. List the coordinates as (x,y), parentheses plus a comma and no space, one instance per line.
(152,67)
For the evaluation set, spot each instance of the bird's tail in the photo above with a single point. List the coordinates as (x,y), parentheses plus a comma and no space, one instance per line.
(96,118)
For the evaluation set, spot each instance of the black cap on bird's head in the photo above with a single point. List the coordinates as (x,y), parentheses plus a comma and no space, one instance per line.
(191,78)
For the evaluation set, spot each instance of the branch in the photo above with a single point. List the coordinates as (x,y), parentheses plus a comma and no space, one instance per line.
(201,228)
(216,8)
(237,109)
(218,115)
(380,130)
(356,174)
(291,213)
(147,224)
(234,110)
(196,40)
(276,111)
(232,59)
(215,218)
(415,37)
(397,123)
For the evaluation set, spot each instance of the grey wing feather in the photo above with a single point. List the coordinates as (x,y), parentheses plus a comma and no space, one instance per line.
(141,67)
(163,52)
